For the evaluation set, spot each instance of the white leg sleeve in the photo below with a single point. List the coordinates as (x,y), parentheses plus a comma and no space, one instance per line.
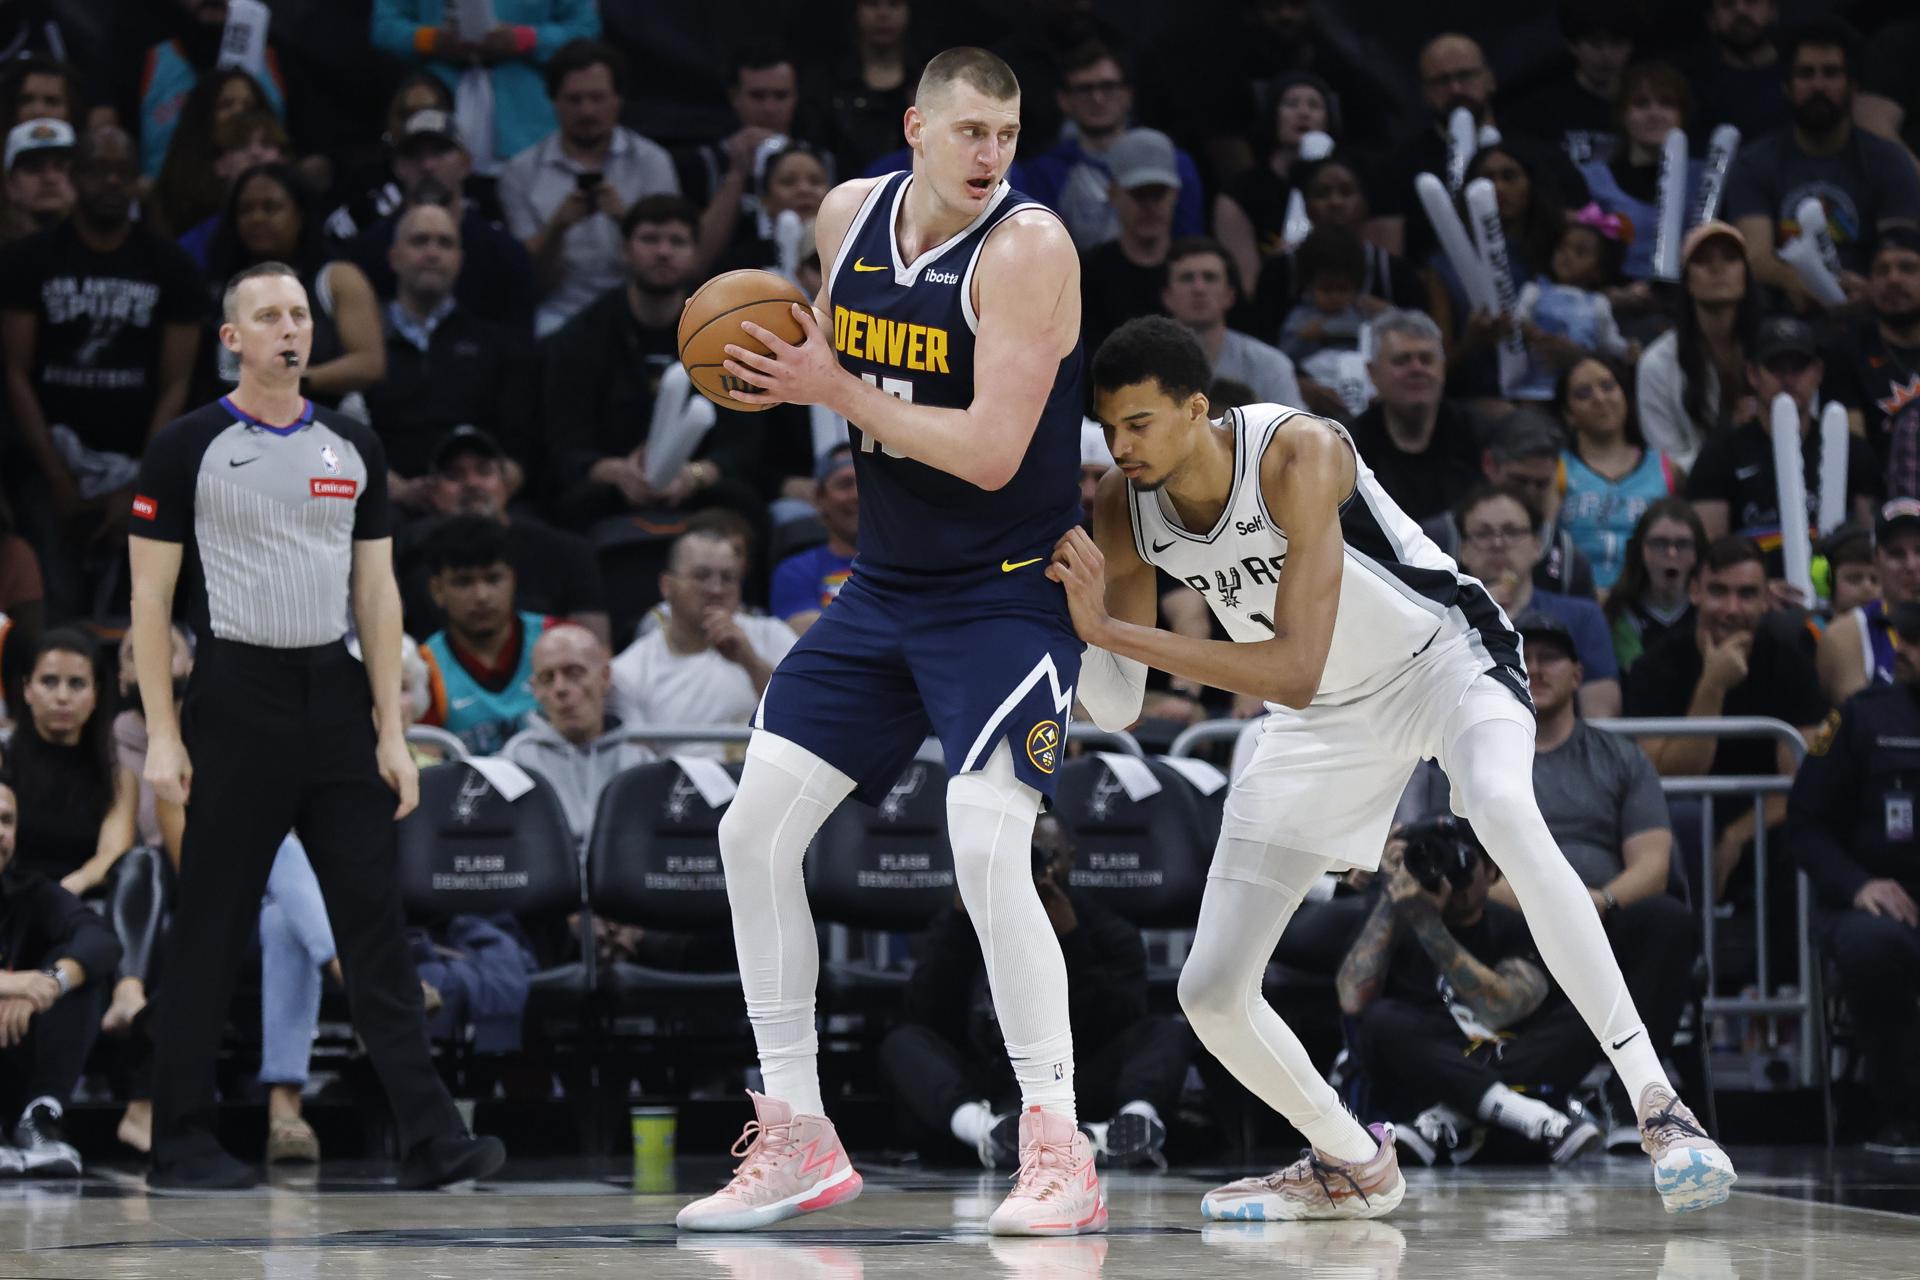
(1490,763)
(1240,921)
(990,816)
(786,792)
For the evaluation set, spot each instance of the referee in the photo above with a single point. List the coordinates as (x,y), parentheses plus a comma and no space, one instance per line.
(277,512)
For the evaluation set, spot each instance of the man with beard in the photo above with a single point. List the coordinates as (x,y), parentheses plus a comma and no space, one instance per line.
(557,573)
(445,365)
(171,69)
(1733,79)
(1865,183)
(39,182)
(564,196)
(1875,368)
(1850,823)
(100,319)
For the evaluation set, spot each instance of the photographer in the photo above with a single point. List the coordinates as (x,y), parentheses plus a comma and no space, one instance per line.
(1436,964)
(947,1062)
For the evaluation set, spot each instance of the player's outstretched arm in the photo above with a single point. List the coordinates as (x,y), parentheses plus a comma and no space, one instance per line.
(1027,294)
(1113,688)
(1307,472)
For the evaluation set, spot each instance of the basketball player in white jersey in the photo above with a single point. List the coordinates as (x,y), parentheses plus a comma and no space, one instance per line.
(1372,651)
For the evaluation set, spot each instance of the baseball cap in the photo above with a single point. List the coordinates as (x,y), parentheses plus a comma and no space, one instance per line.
(430,123)
(1707,231)
(1783,336)
(37,135)
(837,459)
(1896,514)
(1143,158)
(465,438)
(1535,627)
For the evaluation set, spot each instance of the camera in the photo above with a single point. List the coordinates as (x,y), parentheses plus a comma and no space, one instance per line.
(1441,849)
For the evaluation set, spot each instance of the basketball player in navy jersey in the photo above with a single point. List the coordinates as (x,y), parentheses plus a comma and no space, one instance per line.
(947,333)
(1371,651)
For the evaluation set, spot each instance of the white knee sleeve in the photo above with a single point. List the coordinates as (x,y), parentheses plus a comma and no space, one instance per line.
(786,792)
(990,817)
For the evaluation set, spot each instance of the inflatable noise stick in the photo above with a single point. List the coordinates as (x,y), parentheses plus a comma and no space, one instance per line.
(1671,223)
(1833,467)
(1721,146)
(1463,139)
(1483,209)
(1789,470)
(1452,233)
(1811,254)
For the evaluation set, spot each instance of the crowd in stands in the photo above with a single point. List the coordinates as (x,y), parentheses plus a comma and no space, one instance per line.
(498,230)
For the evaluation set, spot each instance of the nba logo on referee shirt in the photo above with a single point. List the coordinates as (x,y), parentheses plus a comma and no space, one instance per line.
(329,459)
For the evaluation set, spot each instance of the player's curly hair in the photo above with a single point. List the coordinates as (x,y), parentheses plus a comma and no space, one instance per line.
(1152,348)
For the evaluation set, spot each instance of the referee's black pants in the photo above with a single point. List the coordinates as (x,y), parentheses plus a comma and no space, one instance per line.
(280,740)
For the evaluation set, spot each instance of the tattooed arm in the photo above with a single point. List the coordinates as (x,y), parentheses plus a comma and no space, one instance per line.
(1500,996)
(1364,970)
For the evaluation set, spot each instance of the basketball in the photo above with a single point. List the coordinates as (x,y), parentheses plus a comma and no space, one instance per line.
(712,319)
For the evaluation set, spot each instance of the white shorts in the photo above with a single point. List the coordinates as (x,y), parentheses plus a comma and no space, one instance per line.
(1326,779)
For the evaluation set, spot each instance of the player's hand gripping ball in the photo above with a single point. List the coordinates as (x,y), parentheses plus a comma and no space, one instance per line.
(712,318)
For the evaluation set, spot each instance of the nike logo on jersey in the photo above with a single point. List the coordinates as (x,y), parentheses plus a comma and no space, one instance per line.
(461,704)
(1008,566)
(241,462)
(1626,1040)
(860,264)
(1161,546)
(1746,473)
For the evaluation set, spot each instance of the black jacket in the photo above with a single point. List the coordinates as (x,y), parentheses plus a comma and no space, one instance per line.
(1850,816)
(40,923)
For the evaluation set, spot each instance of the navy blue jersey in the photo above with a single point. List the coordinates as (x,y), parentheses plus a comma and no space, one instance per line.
(909,328)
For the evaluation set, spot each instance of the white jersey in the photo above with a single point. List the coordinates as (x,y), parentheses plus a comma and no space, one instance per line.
(1399,593)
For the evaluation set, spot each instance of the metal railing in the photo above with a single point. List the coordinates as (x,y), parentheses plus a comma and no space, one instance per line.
(426,735)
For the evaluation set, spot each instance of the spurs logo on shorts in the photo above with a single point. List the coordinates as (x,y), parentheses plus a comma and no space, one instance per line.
(1043,745)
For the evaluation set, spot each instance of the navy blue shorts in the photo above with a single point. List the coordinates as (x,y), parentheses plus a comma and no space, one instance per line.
(973,661)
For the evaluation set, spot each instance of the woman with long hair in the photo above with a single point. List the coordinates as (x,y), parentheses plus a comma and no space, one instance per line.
(1653,100)
(1693,379)
(271,217)
(1334,193)
(1650,597)
(188,191)
(1608,476)
(1250,213)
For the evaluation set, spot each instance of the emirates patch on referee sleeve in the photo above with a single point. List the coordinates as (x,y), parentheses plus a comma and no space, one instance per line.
(144,507)
(328,487)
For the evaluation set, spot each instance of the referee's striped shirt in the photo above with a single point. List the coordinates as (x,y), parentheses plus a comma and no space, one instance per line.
(267,515)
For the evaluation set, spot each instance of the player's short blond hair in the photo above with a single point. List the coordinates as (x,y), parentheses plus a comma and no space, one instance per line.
(978,68)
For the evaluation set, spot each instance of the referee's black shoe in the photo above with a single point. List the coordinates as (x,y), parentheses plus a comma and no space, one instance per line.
(205,1167)
(441,1162)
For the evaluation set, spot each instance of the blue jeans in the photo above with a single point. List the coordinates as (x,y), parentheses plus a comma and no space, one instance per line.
(295,943)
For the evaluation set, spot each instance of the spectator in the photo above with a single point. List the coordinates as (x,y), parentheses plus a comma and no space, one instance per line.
(1250,215)
(240,142)
(565,195)
(1421,447)
(271,216)
(173,68)
(1734,79)
(1576,111)
(1863,182)
(1692,380)
(1857,650)
(420,91)
(1609,476)
(554,573)
(100,319)
(1454,73)
(1852,578)
(40,87)
(39,186)
(1437,963)
(868,84)
(1730,659)
(1200,289)
(480,665)
(1650,597)
(50,1000)
(574,744)
(1850,821)
(946,1065)
(1321,335)
(1733,485)
(793,180)
(1126,276)
(189,189)
(1499,544)
(603,369)
(763,90)
(1565,311)
(709,662)
(805,583)
(1334,195)
(496,276)
(1653,101)
(1096,96)
(446,367)
(1875,367)
(525,35)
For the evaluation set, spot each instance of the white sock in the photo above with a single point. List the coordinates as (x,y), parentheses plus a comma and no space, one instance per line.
(1516,1111)
(971,1123)
(1491,766)
(1240,921)
(990,816)
(786,792)
(1139,1107)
